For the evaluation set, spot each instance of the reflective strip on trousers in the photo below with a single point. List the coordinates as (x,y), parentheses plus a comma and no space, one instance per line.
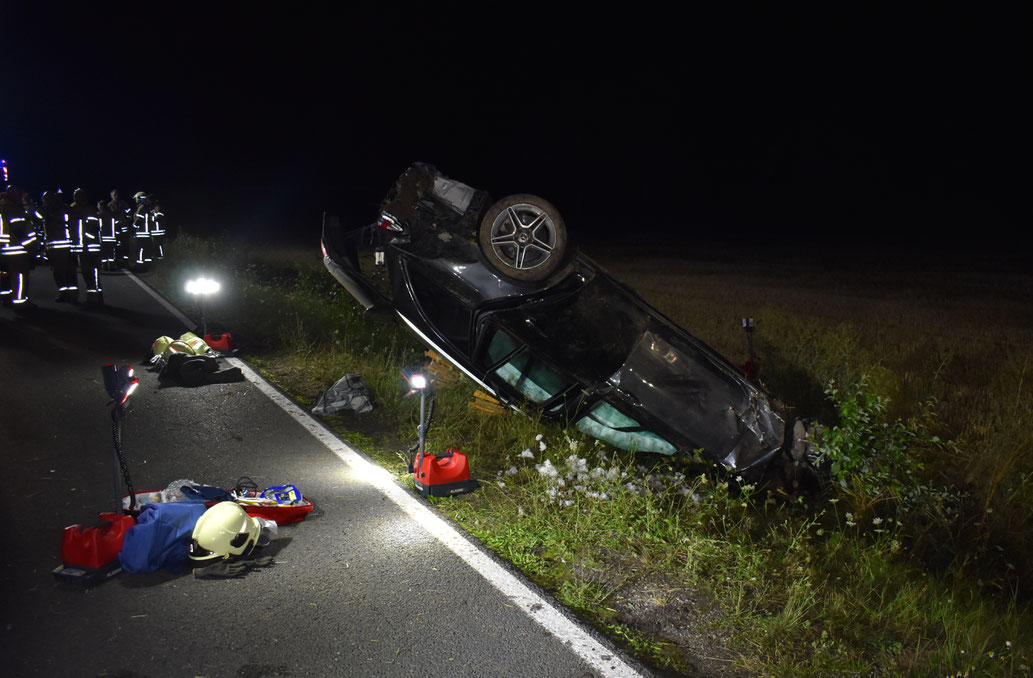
(96,282)
(17,288)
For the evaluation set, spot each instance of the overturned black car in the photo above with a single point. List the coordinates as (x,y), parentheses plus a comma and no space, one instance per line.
(497,289)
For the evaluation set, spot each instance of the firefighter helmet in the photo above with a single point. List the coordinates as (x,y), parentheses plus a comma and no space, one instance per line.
(223,531)
(197,344)
(189,343)
(79,195)
(167,346)
(139,196)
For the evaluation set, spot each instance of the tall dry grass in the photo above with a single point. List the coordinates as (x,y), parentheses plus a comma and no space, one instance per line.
(951,331)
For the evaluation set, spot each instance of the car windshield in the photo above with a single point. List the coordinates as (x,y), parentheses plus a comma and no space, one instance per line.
(522,370)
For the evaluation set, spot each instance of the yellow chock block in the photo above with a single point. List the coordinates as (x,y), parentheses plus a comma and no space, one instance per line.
(441,370)
(482,402)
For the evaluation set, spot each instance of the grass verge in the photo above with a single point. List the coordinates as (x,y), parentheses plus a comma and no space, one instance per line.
(911,563)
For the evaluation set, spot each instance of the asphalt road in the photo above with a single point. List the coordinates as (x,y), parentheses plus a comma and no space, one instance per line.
(361,588)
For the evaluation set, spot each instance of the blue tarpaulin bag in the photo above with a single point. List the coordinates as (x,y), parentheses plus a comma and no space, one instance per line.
(160,538)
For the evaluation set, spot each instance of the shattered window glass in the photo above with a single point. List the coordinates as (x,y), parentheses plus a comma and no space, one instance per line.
(612,426)
(523,371)
(588,332)
(501,345)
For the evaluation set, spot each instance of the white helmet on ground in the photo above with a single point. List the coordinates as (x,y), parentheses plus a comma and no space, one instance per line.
(223,531)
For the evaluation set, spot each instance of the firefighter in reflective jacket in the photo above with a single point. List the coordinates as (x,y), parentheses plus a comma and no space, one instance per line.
(17,243)
(157,228)
(108,235)
(5,239)
(123,226)
(144,245)
(58,231)
(32,213)
(86,244)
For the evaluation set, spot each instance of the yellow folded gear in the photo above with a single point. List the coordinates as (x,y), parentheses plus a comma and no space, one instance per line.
(189,343)
(167,346)
(196,343)
(178,346)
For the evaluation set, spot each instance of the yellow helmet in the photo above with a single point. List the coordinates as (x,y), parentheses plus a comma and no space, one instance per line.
(160,344)
(223,531)
(167,346)
(196,343)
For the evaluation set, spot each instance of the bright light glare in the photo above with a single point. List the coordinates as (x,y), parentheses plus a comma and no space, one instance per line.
(418,381)
(203,286)
(129,391)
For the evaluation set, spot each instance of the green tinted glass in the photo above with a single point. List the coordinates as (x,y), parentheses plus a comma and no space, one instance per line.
(524,372)
(609,425)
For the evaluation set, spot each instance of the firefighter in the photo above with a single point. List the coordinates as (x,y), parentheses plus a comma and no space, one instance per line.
(32,213)
(17,244)
(143,242)
(123,228)
(108,236)
(87,244)
(157,228)
(5,239)
(58,235)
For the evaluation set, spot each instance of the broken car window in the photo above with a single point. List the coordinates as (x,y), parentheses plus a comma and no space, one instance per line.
(610,425)
(523,371)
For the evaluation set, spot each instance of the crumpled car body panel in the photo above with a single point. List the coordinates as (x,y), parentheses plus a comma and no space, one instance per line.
(581,346)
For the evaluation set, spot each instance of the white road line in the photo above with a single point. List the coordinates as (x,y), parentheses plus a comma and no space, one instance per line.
(541,610)
(190,324)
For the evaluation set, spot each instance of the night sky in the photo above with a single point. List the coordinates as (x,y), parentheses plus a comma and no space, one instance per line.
(818,124)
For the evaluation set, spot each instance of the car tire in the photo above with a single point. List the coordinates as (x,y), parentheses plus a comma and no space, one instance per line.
(524,237)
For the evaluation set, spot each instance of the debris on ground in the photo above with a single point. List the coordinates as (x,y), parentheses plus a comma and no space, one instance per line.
(349,394)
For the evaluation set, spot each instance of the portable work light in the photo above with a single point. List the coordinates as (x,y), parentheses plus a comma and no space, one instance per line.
(119,382)
(418,382)
(414,376)
(438,475)
(201,288)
